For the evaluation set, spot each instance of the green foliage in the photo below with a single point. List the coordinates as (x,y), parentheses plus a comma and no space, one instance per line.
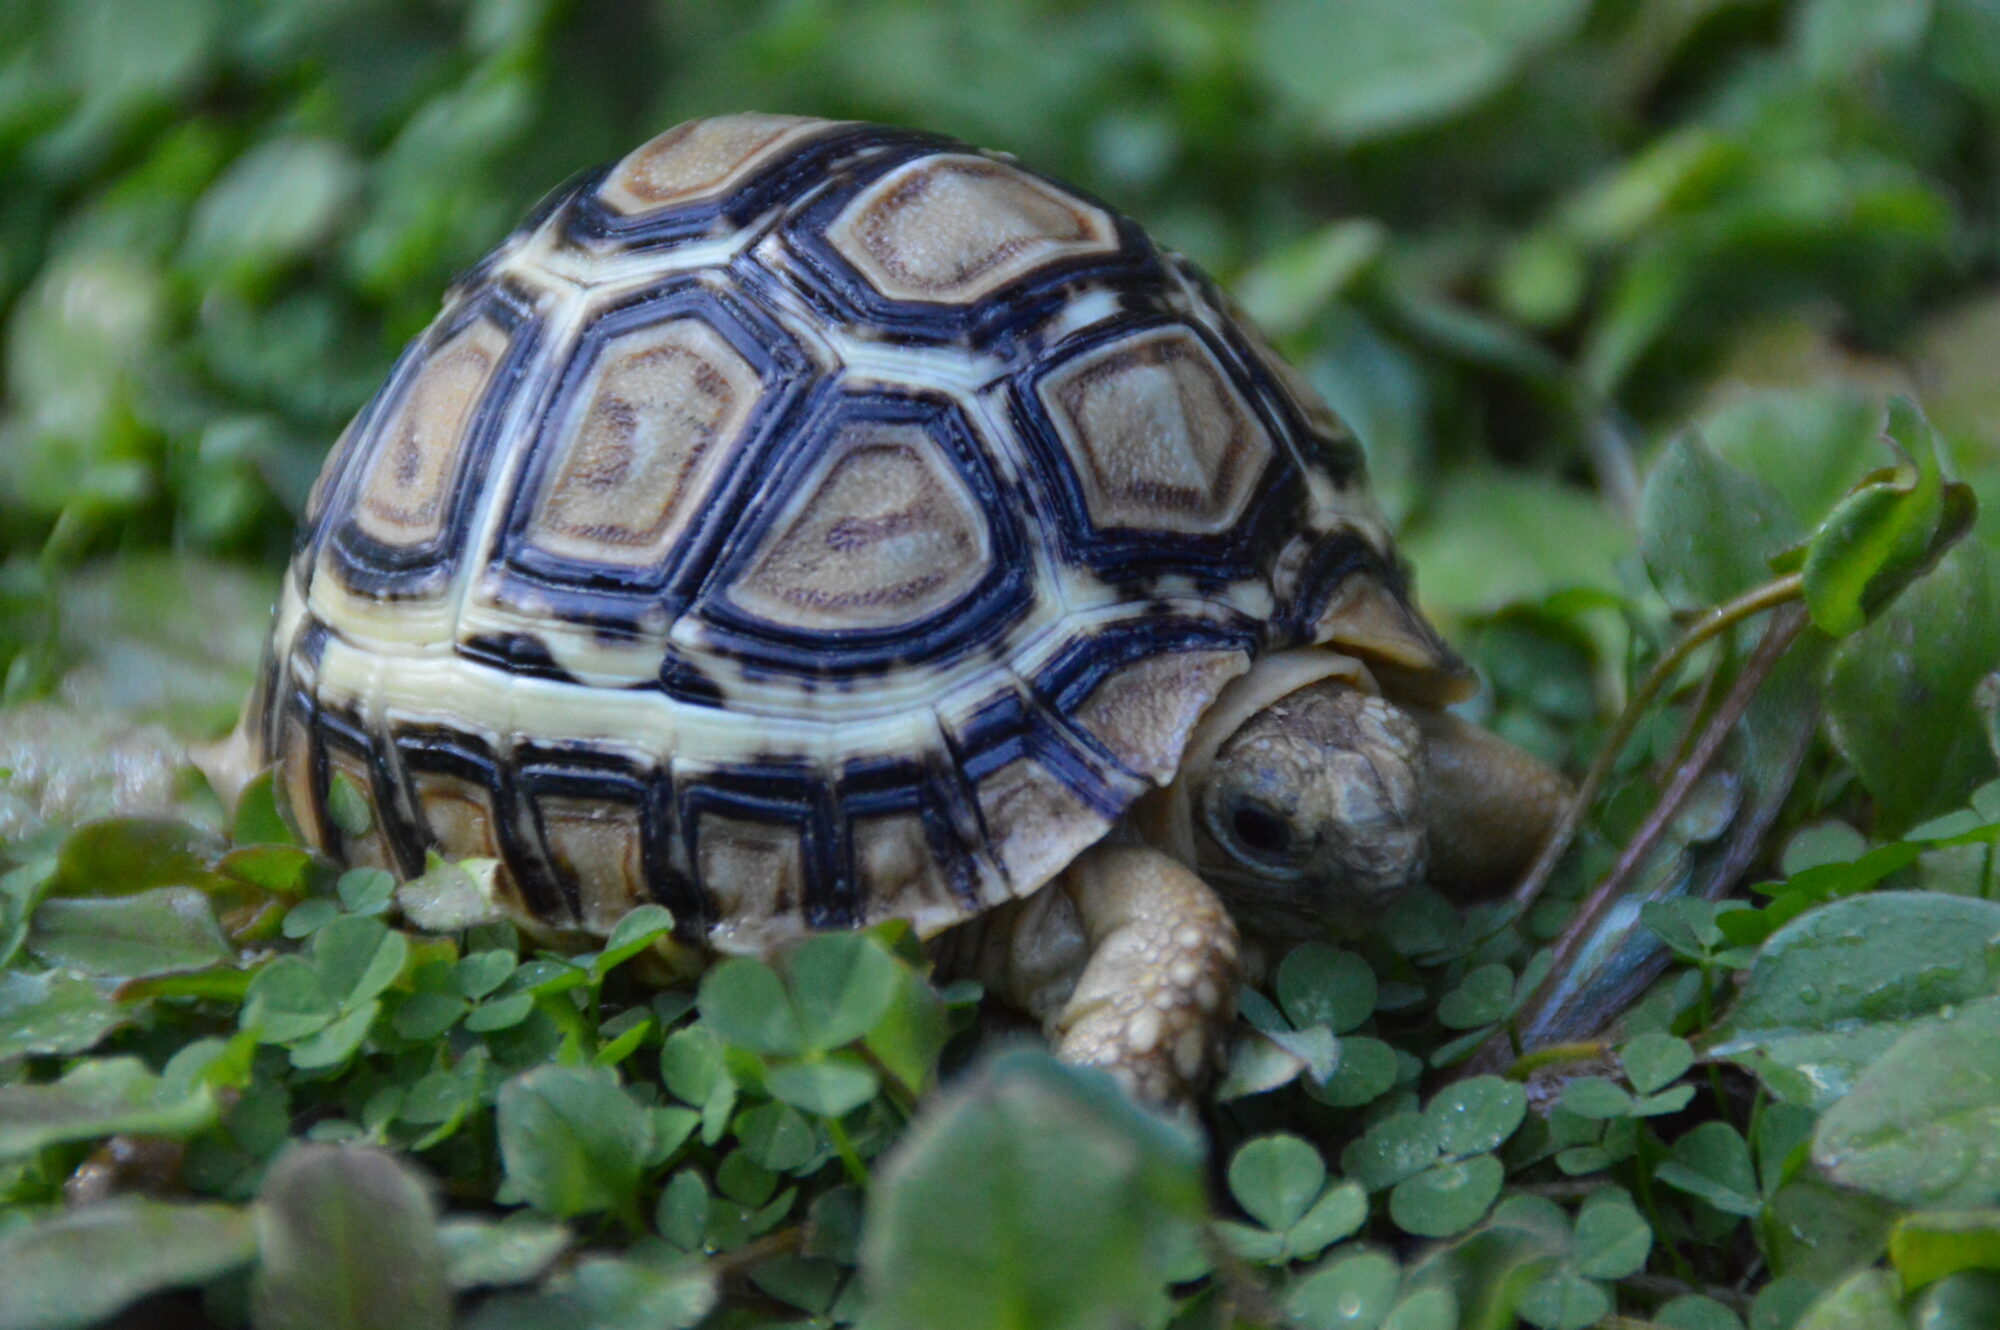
(1623,302)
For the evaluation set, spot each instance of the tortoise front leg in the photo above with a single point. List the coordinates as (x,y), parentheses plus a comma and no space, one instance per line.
(1155,997)
(1487,805)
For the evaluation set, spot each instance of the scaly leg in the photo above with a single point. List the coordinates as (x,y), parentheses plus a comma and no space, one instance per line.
(1156,995)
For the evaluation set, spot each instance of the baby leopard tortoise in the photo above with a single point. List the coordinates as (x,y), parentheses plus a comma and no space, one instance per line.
(803,523)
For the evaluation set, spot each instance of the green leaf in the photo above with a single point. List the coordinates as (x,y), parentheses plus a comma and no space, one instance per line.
(1865,1301)
(1276,1179)
(1612,1238)
(1321,985)
(1886,533)
(1870,958)
(161,931)
(1287,289)
(1900,692)
(121,856)
(1968,1301)
(78,1267)
(1365,1072)
(841,984)
(100,1098)
(1350,1292)
(1695,1311)
(449,897)
(777,1136)
(619,1293)
(286,1001)
(348,806)
(1654,1061)
(482,972)
(1482,998)
(335,1042)
(257,820)
(1425,1309)
(365,890)
(1922,1125)
(1339,1212)
(744,1002)
(907,1038)
(356,958)
(480,1253)
(1062,1162)
(638,930)
(1370,67)
(1390,1150)
(1713,1162)
(1597,1098)
(831,1088)
(1934,1244)
(571,1140)
(1447,1198)
(348,1241)
(1831,990)
(53,1013)
(1707,530)
(1564,1300)
(1476,1114)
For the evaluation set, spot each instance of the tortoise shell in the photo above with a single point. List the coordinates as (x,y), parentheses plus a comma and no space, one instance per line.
(800,523)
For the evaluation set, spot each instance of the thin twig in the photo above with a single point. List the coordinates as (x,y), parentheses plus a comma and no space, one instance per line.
(1778,638)
(1704,629)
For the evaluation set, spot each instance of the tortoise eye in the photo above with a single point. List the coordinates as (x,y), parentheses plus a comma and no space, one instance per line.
(1260,830)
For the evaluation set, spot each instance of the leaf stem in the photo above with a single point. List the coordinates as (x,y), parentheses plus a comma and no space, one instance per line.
(1713,622)
(850,1158)
(1778,638)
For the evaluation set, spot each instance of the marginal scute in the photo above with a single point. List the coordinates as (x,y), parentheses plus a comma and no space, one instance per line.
(295,778)
(893,856)
(700,159)
(595,845)
(883,532)
(643,440)
(1036,823)
(1159,438)
(404,493)
(1144,712)
(458,815)
(953,228)
(754,871)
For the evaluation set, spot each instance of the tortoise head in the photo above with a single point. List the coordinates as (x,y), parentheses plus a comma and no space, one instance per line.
(1310,815)
(1329,779)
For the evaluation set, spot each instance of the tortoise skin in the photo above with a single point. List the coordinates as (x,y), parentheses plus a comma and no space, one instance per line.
(799,523)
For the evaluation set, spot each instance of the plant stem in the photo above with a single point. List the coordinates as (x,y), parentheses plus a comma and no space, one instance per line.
(1787,588)
(1785,628)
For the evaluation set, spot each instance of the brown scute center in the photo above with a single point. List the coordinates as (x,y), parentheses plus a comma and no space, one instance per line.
(753,870)
(1160,439)
(596,847)
(404,491)
(644,441)
(884,535)
(953,228)
(698,159)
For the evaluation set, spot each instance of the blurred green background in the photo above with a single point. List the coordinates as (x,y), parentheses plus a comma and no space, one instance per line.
(1517,243)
